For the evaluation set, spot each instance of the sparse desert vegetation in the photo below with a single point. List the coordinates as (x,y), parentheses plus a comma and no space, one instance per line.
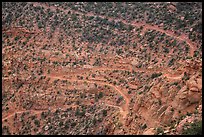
(101,68)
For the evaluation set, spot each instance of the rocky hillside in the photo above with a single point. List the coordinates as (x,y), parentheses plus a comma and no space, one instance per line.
(96,68)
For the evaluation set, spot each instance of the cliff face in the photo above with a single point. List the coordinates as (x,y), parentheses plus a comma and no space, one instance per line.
(174,103)
(166,108)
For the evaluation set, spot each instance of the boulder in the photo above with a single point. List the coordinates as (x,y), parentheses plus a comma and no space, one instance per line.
(167,115)
(194,89)
(199,85)
(194,82)
(155,92)
(149,131)
(88,66)
(134,62)
(194,97)
(182,95)
(161,110)
(183,103)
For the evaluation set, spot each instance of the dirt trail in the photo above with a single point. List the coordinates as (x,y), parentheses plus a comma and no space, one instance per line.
(173,77)
(106,68)
(18,112)
(124,113)
(20,29)
(36,111)
(139,24)
(125,106)
(126,67)
(180,38)
(124,110)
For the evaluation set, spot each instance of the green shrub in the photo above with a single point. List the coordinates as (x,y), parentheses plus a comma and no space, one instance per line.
(73,124)
(171,62)
(194,129)
(195,53)
(144,126)
(104,113)
(160,130)
(100,95)
(154,75)
(77,112)
(37,123)
(185,77)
